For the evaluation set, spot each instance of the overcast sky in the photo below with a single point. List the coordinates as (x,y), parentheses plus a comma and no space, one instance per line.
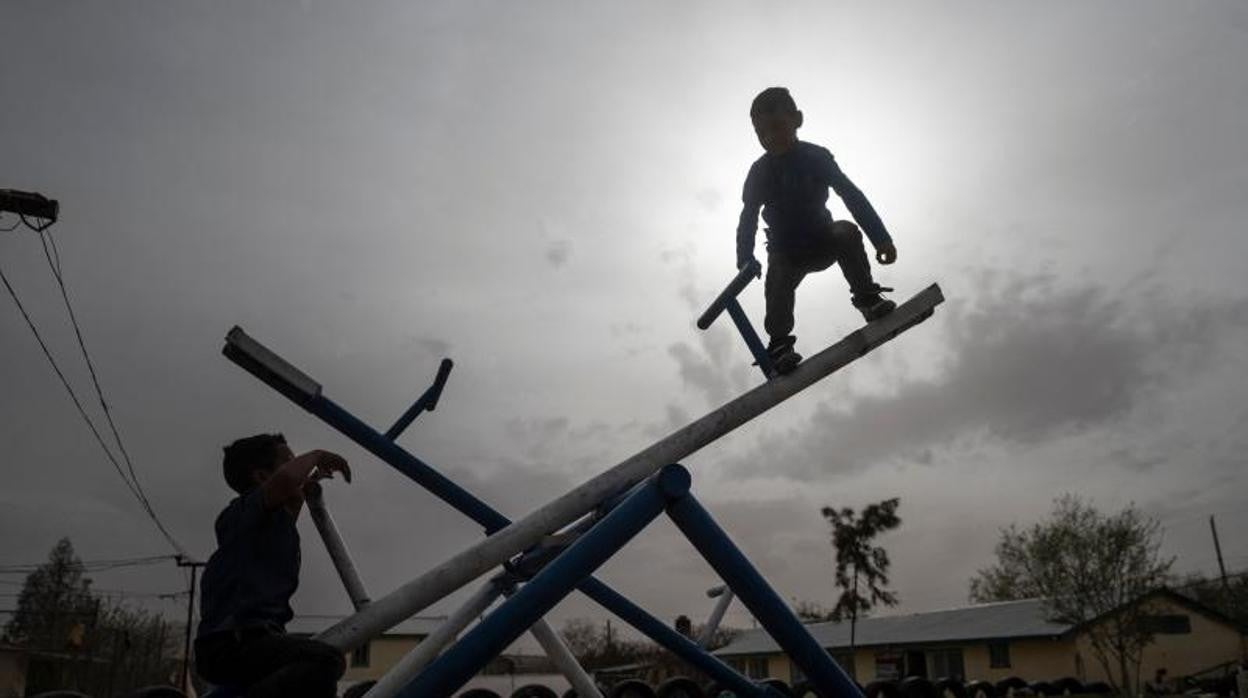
(546,192)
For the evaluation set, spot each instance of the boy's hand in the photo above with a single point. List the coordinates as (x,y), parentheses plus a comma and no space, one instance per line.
(329,463)
(886,254)
(747,261)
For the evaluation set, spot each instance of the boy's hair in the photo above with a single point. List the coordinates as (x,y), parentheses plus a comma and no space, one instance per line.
(773,100)
(249,454)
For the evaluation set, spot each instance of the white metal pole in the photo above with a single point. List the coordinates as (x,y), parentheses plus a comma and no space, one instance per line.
(478,559)
(413,662)
(558,651)
(338,553)
(717,617)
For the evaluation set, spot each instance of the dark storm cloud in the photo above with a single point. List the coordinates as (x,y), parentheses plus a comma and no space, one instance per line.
(1027,363)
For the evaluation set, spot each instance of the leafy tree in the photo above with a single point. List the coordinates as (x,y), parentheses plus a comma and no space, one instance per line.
(84,643)
(1093,570)
(861,568)
(811,612)
(55,605)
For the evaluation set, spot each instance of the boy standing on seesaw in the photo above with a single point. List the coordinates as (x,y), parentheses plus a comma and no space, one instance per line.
(242,641)
(790,183)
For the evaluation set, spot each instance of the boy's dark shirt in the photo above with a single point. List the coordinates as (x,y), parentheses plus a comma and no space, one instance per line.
(250,578)
(792,190)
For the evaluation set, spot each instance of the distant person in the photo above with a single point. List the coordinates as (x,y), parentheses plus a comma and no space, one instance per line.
(790,184)
(248,581)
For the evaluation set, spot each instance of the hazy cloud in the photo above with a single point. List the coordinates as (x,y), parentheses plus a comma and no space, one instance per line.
(1027,362)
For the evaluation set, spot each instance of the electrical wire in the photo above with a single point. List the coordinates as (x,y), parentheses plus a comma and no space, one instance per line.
(65,382)
(52,255)
(89,565)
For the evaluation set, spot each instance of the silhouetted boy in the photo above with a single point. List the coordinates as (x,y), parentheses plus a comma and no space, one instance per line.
(790,184)
(248,582)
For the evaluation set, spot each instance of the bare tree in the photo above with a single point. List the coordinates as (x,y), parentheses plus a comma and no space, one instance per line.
(861,568)
(1094,571)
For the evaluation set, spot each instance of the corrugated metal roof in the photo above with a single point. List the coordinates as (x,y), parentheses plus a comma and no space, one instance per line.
(312,624)
(1004,620)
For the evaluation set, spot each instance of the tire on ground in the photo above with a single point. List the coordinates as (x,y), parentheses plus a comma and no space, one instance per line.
(156,692)
(882,689)
(981,689)
(1013,683)
(1069,685)
(358,690)
(534,690)
(918,687)
(679,687)
(780,686)
(949,687)
(631,689)
(1043,688)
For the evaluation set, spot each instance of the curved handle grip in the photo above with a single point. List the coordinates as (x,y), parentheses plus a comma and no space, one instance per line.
(736,286)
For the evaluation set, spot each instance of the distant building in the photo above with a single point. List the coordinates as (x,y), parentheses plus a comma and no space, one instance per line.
(996,641)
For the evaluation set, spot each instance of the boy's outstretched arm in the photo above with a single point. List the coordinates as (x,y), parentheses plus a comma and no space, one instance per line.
(864,213)
(747,225)
(284,488)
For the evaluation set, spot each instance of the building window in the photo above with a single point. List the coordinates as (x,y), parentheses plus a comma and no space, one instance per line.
(947,664)
(757,668)
(359,656)
(888,665)
(1166,624)
(999,655)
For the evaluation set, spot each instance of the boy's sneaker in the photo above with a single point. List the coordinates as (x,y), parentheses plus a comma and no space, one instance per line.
(872,305)
(783,358)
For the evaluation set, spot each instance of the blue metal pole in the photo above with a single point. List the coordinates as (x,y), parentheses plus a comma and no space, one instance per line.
(427,401)
(673,641)
(457,665)
(751,337)
(770,610)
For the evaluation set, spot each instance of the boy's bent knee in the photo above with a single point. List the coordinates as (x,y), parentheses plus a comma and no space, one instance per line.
(846,230)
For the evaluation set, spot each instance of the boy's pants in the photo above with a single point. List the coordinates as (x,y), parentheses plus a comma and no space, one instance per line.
(269,663)
(840,242)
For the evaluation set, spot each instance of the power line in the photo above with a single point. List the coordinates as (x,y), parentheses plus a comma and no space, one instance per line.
(45,236)
(90,565)
(53,257)
(65,382)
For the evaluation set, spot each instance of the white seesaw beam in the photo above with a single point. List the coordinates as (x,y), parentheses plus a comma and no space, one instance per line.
(418,594)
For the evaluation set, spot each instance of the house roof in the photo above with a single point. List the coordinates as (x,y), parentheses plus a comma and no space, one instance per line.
(312,624)
(990,621)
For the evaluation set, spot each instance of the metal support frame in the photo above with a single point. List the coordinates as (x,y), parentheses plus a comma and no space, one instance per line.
(314,497)
(283,377)
(457,665)
(507,539)
(768,608)
(477,559)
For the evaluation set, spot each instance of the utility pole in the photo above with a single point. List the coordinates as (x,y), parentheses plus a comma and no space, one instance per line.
(1226,587)
(183,561)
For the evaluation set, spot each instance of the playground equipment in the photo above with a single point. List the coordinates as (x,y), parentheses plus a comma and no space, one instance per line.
(556,548)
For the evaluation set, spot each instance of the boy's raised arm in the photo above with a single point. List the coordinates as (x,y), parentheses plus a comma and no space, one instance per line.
(862,211)
(285,485)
